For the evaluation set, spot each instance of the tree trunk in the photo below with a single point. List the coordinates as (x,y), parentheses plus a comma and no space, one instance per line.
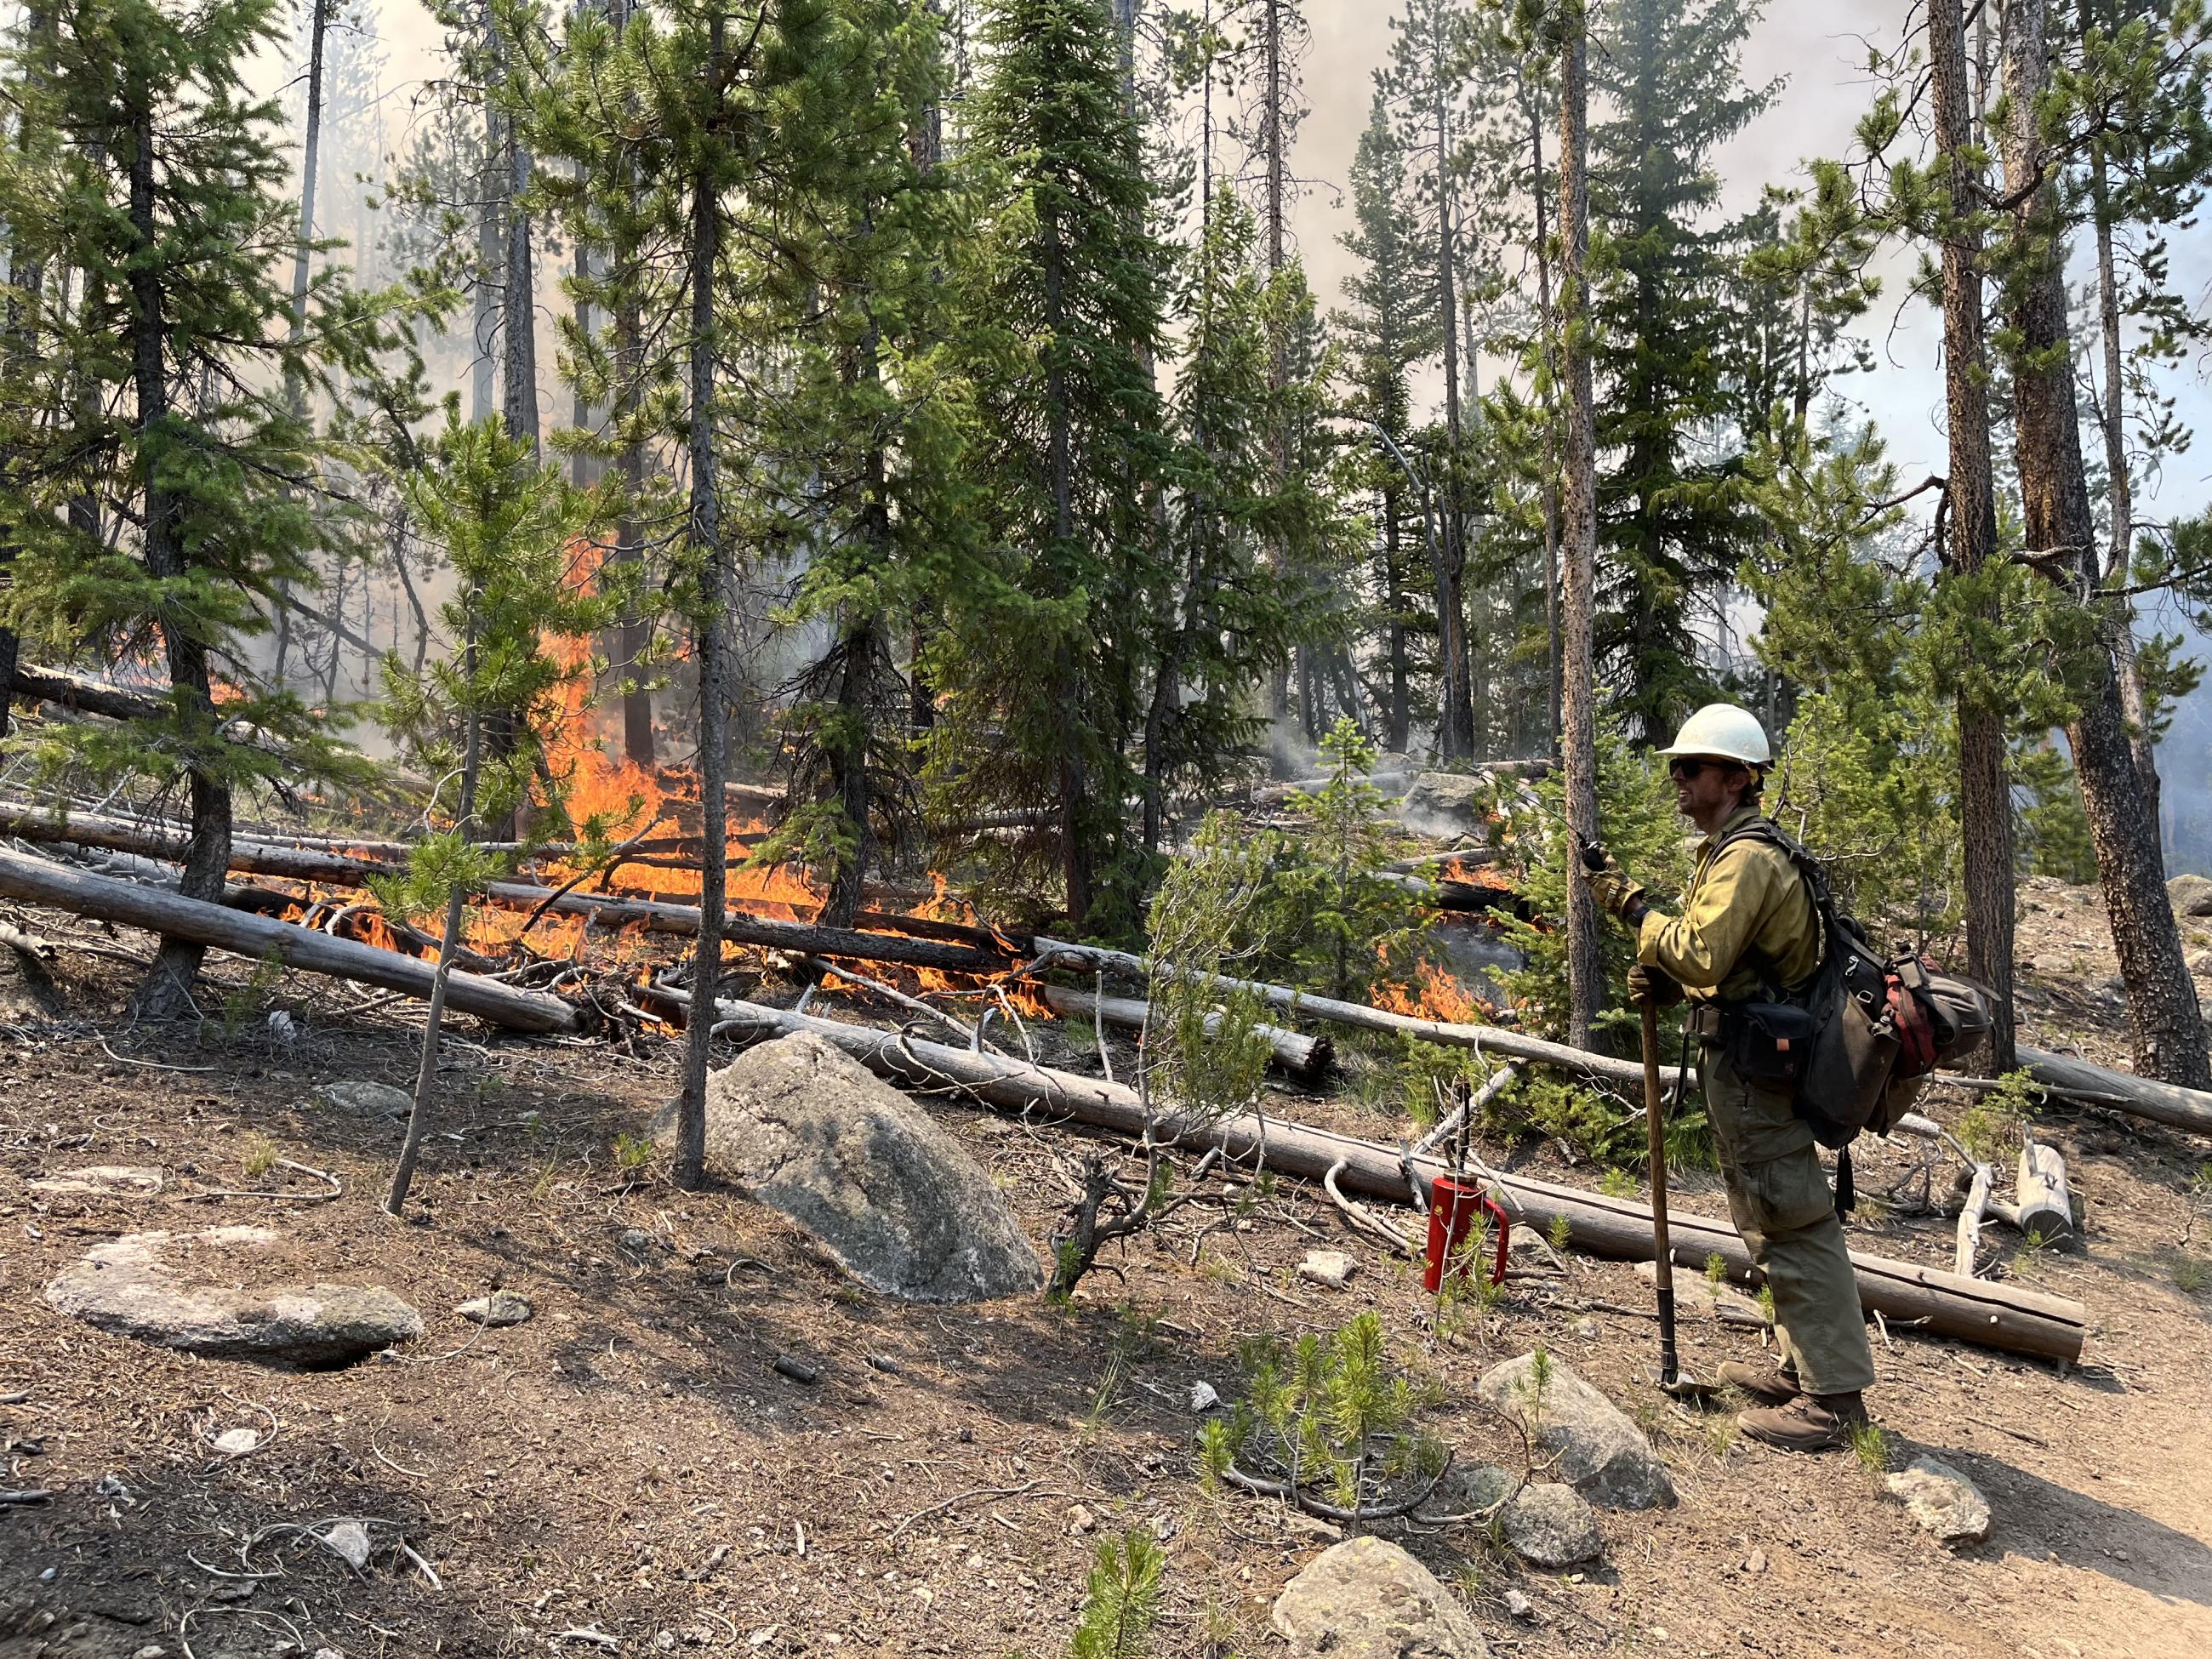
(711,639)
(449,937)
(296,391)
(1985,815)
(1074,791)
(635,633)
(1455,698)
(1578,690)
(2057,518)
(1398,718)
(2120,484)
(1547,337)
(165,992)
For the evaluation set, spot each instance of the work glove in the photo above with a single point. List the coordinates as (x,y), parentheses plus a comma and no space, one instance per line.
(1616,895)
(1653,985)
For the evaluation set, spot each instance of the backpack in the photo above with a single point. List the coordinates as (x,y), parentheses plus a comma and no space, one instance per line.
(1858,1039)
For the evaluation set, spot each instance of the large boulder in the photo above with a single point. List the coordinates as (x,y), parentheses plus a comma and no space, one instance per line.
(1592,1445)
(208,1293)
(1445,804)
(806,1129)
(2191,894)
(1368,1599)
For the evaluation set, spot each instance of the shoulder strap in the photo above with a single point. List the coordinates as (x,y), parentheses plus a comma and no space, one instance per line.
(1809,870)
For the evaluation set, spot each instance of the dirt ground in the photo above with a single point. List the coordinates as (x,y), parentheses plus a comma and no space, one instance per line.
(626,1473)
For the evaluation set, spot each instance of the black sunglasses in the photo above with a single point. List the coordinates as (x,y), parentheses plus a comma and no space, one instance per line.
(1687,768)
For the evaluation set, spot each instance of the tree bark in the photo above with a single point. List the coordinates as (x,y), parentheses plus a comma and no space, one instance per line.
(2119,484)
(711,637)
(1985,814)
(1454,697)
(166,990)
(1578,689)
(2167,1025)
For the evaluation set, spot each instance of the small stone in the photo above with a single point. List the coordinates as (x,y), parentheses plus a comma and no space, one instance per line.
(1332,1268)
(499,1308)
(1312,1526)
(349,1539)
(1943,1501)
(1165,1526)
(1755,1561)
(664,1641)
(760,1638)
(236,1443)
(367,1099)
(1202,1397)
(1550,1526)
(1520,1605)
(151,1650)
(1080,1518)
(636,1239)
(1585,1328)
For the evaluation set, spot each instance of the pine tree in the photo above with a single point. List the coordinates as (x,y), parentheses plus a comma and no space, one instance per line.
(158,401)
(1424,82)
(876,424)
(1231,613)
(1673,529)
(1043,666)
(509,531)
(1389,326)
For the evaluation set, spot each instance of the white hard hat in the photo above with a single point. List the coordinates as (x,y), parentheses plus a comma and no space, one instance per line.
(1722,729)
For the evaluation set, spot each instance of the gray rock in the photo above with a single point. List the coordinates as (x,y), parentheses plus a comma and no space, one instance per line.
(808,1130)
(1444,804)
(367,1099)
(1468,1487)
(201,1292)
(1333,1268)
(1520,1605)
(1368,1599)
(236,1443)
(1550,1526)
(1587,1329)
(2191,894)
(1943,1501)
(101,1181)
(1594,1448)
(349,1539)
(499,1308)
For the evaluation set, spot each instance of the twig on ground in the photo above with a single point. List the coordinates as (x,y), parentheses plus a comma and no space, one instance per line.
(980,1492)
(1314,1506)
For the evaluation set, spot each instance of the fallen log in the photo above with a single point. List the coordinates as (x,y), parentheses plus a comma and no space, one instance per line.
(2043,1205)
(2060,1074)
(1971,1215)
(38,881)
(1308,1058)
(802,939)
(247,856)
(2003,1317)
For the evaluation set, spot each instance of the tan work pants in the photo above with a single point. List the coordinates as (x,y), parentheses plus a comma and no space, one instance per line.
(1779,1200)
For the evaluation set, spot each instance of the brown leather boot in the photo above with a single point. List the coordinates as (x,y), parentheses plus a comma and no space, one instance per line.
(1810,1423)
(1777,1385)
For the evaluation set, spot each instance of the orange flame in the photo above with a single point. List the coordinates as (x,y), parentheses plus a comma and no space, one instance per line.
(1433,994)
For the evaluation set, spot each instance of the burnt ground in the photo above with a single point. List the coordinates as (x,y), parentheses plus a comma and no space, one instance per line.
(626,1472)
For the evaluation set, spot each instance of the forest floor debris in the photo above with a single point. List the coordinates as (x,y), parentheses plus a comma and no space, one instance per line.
(571,1473)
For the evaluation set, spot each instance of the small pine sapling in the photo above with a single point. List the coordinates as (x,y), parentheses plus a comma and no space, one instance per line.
(1121,1599)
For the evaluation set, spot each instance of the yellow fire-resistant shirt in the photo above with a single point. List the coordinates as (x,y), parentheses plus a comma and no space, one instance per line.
(1750,897)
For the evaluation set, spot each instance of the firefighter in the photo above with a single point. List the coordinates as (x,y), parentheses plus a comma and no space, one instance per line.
(1748,931)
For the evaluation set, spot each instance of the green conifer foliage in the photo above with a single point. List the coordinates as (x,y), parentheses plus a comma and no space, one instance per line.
(1043,663)
(156,488)
(1671,528)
